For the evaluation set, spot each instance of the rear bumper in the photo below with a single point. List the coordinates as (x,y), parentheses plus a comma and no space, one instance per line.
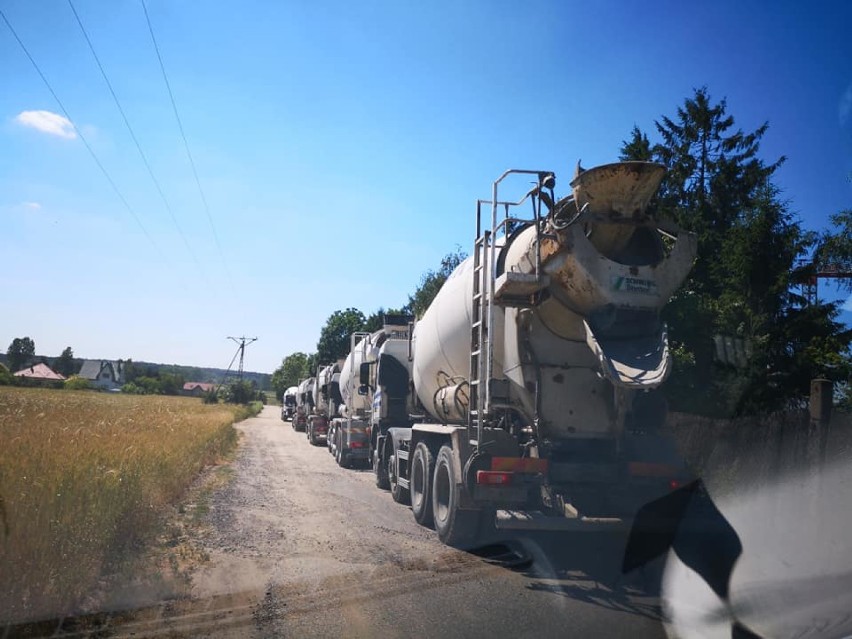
(536,520)
(361,452)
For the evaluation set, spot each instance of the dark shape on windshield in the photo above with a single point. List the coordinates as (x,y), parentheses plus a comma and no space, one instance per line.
(739,631)
(687,521)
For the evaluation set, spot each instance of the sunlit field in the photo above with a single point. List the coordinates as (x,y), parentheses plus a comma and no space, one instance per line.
(84,477)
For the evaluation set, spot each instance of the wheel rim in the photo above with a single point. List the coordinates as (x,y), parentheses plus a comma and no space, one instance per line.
(392,471)
(417,482)
(442,492)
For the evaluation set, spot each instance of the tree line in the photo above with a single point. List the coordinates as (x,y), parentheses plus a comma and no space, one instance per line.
(754,254)
(139,378)
(333,343)
(21,353)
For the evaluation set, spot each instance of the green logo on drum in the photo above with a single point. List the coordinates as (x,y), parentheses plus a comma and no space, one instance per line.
(633,285)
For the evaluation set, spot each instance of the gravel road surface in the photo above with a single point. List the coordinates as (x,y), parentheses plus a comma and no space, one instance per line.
(299,547)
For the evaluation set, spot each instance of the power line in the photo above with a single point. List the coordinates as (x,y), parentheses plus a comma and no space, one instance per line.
(186,144)
(133,136)
(80,134)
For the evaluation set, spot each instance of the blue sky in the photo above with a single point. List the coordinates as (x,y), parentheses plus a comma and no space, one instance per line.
(341,147)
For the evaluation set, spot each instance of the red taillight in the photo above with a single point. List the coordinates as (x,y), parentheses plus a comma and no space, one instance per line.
(494,477)
(519,464)
(674,483)
(356,445)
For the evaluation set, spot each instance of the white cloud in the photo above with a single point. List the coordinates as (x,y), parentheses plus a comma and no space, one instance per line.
(31,206)
(47,122)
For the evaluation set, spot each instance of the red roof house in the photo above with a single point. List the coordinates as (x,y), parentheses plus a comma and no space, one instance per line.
(41,372)
(197,389)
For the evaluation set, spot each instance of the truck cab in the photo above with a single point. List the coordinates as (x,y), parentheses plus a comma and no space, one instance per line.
(288,403)
(387,379)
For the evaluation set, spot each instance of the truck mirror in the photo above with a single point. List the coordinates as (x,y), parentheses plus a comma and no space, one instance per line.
(364,373)
(362,389)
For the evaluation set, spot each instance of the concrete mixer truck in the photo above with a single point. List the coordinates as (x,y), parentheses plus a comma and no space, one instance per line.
(349,436)
(304,404)
(326,399)
(527,395)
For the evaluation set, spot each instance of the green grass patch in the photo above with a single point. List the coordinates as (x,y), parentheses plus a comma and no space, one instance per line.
(252,409)
(84,478)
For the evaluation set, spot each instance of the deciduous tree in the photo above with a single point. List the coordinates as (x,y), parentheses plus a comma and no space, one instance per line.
(333,343)
(20,352)
(293,369)
(431,282)
(64,364)
(377,319)
(834,247)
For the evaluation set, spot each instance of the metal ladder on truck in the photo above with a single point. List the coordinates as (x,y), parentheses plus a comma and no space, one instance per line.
(510,289)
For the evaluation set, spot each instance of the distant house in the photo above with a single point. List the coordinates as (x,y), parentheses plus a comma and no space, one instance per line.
(40,373)
(103,373)
(197,389)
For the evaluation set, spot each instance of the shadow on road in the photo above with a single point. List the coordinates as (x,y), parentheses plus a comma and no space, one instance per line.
(583,567)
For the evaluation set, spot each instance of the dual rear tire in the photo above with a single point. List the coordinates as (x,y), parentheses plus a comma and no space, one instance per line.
(422,471)
(436,497)
(341,457)
(455,527)
(380,470)
(400,495)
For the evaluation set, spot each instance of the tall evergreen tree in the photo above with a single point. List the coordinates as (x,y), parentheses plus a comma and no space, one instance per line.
(637,148)
(741,285)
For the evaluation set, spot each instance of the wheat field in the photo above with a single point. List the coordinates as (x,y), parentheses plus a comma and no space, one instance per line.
(84,477)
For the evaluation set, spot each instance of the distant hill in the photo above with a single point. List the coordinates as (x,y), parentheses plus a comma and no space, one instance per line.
(189,373)
(204,374)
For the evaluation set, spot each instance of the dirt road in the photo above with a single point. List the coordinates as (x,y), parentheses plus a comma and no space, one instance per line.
(299,547)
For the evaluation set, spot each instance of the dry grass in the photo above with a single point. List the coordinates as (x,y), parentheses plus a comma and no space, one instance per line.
(83,478)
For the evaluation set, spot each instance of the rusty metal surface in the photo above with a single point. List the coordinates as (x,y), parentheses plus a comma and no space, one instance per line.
(618,192)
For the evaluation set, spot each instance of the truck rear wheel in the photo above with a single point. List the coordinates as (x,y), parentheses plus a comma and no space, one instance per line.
(422,469)
(399,494)
(380,470)
(457,528)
